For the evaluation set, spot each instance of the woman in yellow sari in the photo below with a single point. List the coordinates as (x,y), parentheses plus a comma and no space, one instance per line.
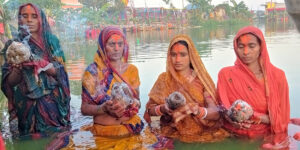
(198,120)
(115,126)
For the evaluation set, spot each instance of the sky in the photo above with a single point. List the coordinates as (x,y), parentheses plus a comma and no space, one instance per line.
(252,4)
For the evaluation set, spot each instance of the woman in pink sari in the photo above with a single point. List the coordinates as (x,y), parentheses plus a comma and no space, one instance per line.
(254,79)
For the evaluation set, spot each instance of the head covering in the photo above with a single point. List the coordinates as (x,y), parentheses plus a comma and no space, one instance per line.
(105,35)
(196,63)
(189,129)
(270,97)
(41,27)
(279,108)
(46,40)
(103,67)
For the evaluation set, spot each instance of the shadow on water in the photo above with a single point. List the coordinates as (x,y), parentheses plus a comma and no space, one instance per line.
(148,52)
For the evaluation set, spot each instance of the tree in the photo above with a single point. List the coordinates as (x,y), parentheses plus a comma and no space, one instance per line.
(240,9)
(204,6)
(43,4)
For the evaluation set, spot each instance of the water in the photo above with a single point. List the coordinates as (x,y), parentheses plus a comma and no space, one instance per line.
(148,52)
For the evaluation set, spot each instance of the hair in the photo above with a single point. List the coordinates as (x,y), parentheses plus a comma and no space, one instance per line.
(182,43)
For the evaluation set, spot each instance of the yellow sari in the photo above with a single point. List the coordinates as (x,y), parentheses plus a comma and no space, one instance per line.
(96,89)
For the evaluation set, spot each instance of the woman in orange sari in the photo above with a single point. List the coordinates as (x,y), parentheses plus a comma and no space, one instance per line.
(254,79)
(198,120)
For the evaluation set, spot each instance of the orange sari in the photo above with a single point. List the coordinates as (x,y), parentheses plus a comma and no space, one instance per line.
(190,129)
(270,96)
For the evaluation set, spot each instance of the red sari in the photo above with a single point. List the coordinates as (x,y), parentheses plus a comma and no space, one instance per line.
(269,96)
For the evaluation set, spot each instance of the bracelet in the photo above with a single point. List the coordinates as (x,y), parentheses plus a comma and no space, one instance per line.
(205,110)
(202,113)
(157,110)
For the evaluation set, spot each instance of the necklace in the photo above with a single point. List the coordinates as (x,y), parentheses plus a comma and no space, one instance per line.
(191,76)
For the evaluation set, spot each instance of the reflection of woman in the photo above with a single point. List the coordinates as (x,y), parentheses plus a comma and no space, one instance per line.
(110,66)
(187,75)
(43,105)
(255,80)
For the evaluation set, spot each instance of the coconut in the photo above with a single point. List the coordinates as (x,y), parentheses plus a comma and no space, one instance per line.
(17,53)
(240,111)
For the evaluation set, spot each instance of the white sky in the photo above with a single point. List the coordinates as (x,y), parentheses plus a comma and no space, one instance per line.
(252,4)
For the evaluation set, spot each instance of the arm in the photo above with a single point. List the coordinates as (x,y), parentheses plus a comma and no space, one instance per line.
(212,110)
(158,110)
(92,110)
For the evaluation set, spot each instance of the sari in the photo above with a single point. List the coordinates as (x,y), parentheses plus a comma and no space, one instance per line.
(190,129)
(268,96)
(98,80)
(39,106)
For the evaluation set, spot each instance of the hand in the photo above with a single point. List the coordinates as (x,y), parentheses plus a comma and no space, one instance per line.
(165,109)
(239,125)
(295,121)
(182,112)
(114,108)
(16,68)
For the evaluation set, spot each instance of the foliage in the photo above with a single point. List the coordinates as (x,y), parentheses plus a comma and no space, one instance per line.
(203,6)
(43,4)
(240,9)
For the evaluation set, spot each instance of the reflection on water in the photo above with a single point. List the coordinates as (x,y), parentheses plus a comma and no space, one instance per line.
(148,52)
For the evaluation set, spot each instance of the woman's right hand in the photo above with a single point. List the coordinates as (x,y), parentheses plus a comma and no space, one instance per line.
(114,108)
(165,109)
(239,125)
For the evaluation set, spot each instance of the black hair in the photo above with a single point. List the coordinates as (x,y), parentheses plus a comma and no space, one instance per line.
(182,43)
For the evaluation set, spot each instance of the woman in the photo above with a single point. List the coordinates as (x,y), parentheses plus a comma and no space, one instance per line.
(43,105)
(114,126)
(111,118)
(257,81)
(198,120)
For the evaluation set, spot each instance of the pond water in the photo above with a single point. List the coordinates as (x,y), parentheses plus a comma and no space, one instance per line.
(148,52)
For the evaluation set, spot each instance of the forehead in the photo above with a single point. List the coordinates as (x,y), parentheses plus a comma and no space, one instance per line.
(247,38)
(179,47)
(28,9)
(115,37)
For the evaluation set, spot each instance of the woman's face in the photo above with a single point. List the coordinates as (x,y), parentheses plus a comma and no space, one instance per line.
(248,49)
(180,57)
(29,17)
(114,47)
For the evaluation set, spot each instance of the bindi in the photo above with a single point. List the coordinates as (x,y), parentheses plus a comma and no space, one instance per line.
(178,47)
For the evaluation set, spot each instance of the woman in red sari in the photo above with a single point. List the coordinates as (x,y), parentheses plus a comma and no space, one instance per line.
(254,79)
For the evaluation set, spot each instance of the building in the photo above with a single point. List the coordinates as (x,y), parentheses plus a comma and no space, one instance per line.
(74,4)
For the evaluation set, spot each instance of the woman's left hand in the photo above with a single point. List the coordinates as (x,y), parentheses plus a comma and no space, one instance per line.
(182,112)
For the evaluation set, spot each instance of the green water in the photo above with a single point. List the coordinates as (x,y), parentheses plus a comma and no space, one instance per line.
(148,53)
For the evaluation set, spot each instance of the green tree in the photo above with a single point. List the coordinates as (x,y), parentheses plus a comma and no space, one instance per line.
(204,6)
(43,4)
(240,9)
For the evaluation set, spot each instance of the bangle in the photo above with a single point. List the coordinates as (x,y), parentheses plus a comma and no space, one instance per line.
(202,113)
(157,110)
(205,110)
